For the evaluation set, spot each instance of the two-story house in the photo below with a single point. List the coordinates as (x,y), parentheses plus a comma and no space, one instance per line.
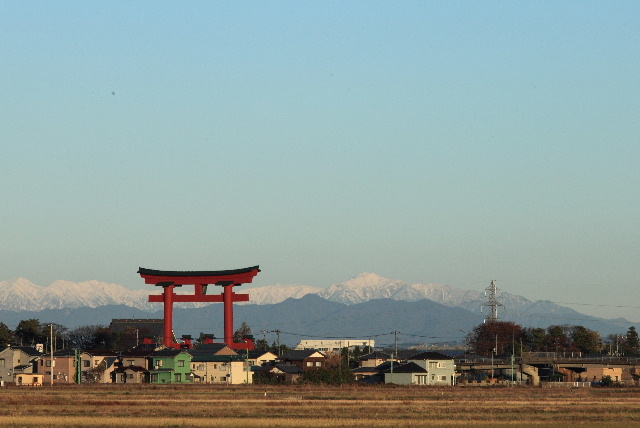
(217,363)
(170,366)
(16,360)
(62,368)
(98,366)
(307,359)
(427,368)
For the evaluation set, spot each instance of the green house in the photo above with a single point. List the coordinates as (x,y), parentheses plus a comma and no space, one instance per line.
(170,366)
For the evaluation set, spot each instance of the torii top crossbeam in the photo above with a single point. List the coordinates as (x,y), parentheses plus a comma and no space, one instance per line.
(200,279)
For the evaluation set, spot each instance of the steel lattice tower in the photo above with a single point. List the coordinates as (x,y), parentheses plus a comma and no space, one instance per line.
(492,302)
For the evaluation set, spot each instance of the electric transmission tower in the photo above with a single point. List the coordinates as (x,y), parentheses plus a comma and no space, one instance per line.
(491,292)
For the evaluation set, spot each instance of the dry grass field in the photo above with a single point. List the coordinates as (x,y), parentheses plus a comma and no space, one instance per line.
(315,406)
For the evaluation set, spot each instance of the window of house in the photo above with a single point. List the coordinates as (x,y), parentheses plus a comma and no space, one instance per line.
(178,377)
(86,363)
(130,375)
(443,378)
(181,363)
(309,363)
(47,373)
(36,379)
(1,362)
(318,363)
(131,362)
(200,366)
(48,363)
(154,378)
(159,363)
(55,376)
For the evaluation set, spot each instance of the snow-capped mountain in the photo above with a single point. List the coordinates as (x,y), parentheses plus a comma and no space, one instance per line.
(22,295)
(272,294)
(369,286)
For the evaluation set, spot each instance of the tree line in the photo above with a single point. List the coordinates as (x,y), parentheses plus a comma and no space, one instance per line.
(501,338)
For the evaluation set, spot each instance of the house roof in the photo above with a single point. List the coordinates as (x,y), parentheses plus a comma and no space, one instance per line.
(216,358)
(130,368)
(29,350)
(406,368)
(287,368)
(23,367)
(431,356)
(210,349)
(137,353)
(365,370)
(168,352)
(377,355)
(300,354)
(63,353)
(402,354)
(101,353)
(161,370)
(255,354)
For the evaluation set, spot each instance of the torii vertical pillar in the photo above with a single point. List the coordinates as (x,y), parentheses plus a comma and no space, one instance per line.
(200,279)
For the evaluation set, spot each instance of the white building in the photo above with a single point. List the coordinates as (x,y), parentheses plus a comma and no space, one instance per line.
(335,345)
(428,368)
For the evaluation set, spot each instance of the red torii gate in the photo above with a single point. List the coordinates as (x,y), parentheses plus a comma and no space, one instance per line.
(228,279)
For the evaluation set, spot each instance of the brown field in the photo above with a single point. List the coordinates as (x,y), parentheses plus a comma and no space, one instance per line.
(315,406)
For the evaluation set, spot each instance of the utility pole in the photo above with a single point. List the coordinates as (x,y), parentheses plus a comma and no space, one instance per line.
(395,333)
(492,302)
(264,338)
(278,333)
(51,352)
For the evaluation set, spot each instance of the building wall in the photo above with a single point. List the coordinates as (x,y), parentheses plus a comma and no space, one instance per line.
(232,373)
(334,345)
(11,358)
(63,369)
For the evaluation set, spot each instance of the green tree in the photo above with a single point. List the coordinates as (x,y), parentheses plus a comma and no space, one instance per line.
(557,338)
(29,332)
(585,340)
(498,337)
(331,376)
(533,339)
(241,333)
(6,335)
(262,345)
(632,343)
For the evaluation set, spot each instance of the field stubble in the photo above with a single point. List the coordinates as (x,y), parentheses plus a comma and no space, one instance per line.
(314,406)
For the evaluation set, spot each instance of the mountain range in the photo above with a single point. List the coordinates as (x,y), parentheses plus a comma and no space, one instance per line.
(366,305)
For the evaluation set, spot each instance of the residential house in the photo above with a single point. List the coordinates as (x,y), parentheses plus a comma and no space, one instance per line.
(17,360)
(28,379)
(374,359)
(62,368)
(217,363)
(283,373)
(131,374)
(170,366)
(261,358)
(427,368)
(98,366)
(308,359)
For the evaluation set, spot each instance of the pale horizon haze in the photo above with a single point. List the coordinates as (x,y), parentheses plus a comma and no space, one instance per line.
(448,142)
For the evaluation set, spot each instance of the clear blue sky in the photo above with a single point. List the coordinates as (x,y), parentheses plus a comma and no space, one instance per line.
(453,142)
